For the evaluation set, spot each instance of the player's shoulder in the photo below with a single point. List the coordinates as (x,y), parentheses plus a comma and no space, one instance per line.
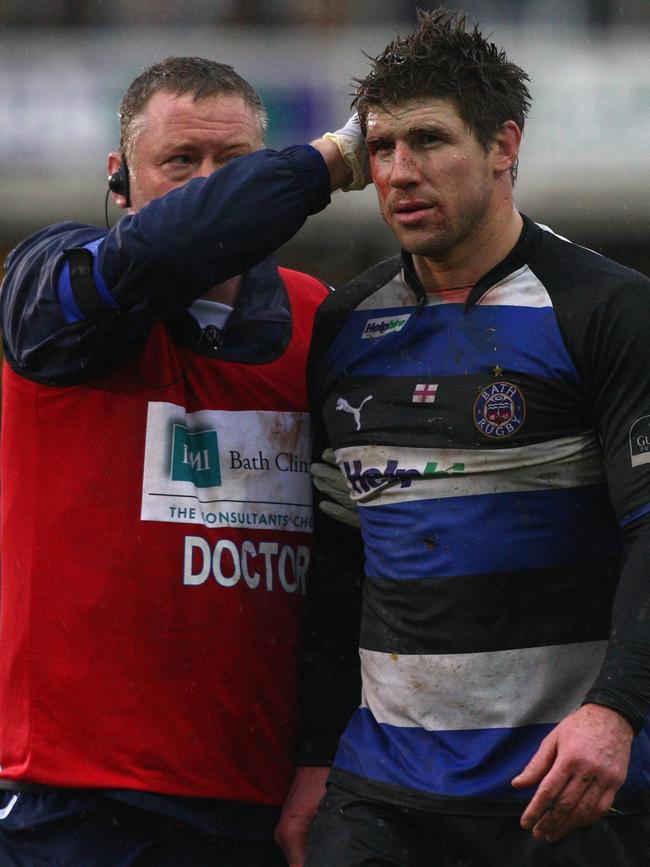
(351,294)
(568,268)
(599,303)
(334,311)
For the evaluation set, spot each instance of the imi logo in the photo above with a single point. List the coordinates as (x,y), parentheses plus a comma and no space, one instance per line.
(195,457)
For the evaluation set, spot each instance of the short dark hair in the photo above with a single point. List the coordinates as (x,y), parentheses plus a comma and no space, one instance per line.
(179,75)
(441,58)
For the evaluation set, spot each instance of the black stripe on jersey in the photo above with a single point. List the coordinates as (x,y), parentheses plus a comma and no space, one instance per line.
(553,409)
(482,613)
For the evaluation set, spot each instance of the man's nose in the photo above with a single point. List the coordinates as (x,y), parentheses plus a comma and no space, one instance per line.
(206,167)
(405,169)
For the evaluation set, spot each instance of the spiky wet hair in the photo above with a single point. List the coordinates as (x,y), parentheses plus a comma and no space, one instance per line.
(444,59)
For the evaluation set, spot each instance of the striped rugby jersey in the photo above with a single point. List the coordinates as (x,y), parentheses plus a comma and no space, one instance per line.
(499,453)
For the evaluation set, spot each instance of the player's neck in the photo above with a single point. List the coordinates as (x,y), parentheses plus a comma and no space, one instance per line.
(466,263)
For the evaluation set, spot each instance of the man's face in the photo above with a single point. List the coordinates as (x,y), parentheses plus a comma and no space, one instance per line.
(433,178)
(178,138)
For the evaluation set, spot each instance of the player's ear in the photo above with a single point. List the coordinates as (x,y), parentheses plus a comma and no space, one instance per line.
(505,147)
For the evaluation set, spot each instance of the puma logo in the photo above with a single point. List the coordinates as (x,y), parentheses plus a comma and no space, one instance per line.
(343,406)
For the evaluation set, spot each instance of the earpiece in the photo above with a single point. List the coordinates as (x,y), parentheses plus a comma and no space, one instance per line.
(119,181)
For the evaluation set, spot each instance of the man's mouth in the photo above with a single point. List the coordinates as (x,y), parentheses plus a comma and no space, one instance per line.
(408,213)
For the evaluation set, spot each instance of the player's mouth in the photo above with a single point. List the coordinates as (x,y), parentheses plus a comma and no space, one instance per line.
(410,212)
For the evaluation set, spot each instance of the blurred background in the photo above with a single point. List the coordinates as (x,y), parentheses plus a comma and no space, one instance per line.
(585,161)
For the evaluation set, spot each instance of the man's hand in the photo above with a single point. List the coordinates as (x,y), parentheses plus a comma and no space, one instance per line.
(346,156)
(329,480)
(580,766)
(304,796)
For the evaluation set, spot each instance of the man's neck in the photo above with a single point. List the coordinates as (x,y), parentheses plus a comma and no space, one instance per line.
(225,293)
(473,258)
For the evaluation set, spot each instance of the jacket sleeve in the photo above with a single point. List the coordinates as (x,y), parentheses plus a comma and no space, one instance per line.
(151,264)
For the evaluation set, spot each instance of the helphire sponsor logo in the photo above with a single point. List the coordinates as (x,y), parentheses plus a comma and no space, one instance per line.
(364,481)
(222,468)
(639,438)
(382,325)
(379,475)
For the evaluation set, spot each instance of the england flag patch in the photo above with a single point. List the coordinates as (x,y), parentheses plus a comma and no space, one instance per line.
(425,392)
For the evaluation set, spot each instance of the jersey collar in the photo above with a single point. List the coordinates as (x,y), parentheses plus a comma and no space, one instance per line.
(520,255)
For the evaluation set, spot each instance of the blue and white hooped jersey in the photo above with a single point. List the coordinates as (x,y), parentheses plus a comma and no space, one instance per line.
(487,445)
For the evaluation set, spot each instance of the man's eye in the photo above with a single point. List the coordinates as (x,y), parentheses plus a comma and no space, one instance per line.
(180,159)
(428,138)
(380,148)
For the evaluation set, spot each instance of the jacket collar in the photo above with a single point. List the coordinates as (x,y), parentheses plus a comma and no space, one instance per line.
(259,327)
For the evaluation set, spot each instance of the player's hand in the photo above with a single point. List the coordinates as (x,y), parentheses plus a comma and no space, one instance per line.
(352,147)
(329,480)
(580,766)
(304,796)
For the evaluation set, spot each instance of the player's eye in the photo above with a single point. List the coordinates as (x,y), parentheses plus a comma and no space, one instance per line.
(428,138)
(381,147)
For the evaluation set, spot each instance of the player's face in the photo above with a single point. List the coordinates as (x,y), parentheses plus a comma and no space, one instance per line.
(178,138)
(433,179)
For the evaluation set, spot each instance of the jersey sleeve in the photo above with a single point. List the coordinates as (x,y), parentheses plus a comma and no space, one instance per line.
(78,299)
(609,340)
(330,688)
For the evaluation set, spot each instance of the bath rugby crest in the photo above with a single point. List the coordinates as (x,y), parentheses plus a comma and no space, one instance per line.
(500,410)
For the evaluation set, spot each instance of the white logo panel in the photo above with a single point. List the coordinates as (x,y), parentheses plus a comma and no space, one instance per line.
(222,468)
(640,441)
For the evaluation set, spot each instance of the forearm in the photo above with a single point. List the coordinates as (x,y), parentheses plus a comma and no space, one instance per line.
(340,173)
(212,228)
(624,680)
(153,264)
(298,812)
